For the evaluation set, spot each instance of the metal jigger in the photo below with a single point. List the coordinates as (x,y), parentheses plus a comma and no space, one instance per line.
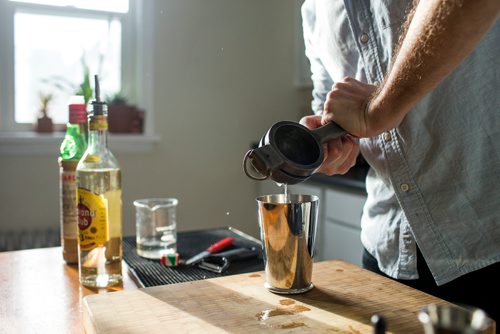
(448,319)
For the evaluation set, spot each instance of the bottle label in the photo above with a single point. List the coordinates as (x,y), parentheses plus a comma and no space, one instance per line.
(92,220)
(68,188)
(98,123)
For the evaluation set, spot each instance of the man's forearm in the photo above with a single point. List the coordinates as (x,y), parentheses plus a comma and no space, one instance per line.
(442,33)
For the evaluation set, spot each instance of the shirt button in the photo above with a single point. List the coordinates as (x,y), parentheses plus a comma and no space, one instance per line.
(404,187)
(387,136)
(363,38)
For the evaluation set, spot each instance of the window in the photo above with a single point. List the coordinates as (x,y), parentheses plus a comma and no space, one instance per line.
(45,46)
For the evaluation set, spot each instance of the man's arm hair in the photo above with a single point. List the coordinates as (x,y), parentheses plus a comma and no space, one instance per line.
(438,36)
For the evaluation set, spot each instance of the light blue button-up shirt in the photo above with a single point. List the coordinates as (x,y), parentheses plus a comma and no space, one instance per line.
(434,179)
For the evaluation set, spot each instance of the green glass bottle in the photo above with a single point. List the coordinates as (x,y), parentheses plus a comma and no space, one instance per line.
(72,149)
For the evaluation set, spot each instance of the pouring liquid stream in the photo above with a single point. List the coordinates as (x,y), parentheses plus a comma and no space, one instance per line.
(286,199)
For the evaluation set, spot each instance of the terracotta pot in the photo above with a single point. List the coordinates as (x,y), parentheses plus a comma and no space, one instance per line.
(44,125)
(121,118)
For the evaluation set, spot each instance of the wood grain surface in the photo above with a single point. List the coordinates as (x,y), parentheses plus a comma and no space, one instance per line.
(39,293)
(343,301)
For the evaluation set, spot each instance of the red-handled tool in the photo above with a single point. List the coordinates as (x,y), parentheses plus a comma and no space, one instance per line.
(215,248)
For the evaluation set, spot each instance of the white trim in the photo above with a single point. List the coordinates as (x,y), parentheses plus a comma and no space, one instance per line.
(6,66)
(32,143)
(143,11)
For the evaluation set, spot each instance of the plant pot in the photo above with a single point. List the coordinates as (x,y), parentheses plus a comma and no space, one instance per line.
(44,125)
(121,118)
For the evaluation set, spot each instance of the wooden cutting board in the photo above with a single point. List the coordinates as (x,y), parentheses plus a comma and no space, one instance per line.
(343,301)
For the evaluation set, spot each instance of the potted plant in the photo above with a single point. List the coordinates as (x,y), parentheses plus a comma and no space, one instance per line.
(44,123)
(66,86)
(123,117)
(85,88)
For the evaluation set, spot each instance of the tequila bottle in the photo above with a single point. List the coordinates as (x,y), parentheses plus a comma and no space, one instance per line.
(99,205)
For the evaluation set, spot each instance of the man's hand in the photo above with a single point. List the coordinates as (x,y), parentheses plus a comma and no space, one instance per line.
(346,104)
(340,154)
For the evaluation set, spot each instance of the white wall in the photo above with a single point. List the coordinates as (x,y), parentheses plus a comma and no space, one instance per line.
(224,72)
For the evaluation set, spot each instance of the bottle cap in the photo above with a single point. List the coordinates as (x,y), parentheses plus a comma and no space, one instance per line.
(170,259)
(77,110)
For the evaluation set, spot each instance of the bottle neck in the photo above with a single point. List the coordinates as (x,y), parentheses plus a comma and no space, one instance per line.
(98,132)
(74,143)
(77,125)
(76,129)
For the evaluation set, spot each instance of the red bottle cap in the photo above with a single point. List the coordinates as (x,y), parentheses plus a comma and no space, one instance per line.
(77,110)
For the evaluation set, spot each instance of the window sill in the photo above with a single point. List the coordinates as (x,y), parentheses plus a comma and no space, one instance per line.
(32,143)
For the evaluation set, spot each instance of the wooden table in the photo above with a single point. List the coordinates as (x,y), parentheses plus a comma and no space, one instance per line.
(39,293)
(343,300)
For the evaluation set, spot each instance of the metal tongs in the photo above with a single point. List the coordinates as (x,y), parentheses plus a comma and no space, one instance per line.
(219,262)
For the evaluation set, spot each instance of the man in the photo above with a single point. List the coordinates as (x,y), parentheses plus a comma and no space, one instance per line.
(417,85)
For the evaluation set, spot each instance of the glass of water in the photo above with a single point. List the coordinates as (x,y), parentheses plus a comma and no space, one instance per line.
(156,226)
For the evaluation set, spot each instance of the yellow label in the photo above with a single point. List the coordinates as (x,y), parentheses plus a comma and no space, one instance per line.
(98,122)
(93,227)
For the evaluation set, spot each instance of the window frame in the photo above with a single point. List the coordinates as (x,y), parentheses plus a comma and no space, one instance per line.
(137,77)
(131,58)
